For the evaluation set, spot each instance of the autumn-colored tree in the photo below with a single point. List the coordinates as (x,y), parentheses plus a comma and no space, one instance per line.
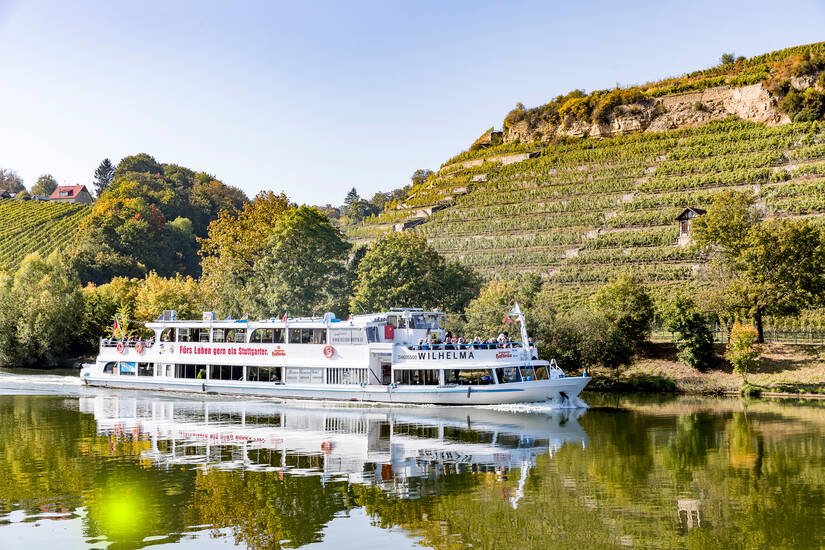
(234,243)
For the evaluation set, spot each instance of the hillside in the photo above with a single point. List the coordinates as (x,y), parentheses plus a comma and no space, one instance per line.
(35,226)
(580,209)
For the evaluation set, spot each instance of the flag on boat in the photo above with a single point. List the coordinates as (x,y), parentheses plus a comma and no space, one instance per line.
(116,328)
(285,317)
(507,319)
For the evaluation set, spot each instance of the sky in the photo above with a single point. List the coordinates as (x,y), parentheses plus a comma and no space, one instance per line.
(313,98)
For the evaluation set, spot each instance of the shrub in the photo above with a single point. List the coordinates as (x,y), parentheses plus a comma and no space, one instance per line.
(627,305)
(694,338)
(743,352)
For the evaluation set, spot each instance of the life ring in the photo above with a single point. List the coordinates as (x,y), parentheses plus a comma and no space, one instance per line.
(121,347)
(139,348)
(329,351)
(326,447)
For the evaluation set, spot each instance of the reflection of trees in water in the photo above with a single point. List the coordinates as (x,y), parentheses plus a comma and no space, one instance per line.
(264,508)
(749,479)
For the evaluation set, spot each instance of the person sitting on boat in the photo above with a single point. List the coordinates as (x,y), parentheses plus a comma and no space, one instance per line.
(476,342)
(448,343)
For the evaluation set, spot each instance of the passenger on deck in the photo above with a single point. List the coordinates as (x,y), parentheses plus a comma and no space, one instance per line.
(448,343)
(477,342)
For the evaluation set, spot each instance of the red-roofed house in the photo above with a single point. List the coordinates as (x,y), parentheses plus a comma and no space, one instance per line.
(71,193)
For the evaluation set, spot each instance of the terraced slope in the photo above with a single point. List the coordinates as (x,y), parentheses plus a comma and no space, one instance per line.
(35,226)
(582,211)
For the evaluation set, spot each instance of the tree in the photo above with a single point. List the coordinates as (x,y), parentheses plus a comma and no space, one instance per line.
(350,200)
(45,186)
(421,175)
(138,163)
(771,267)
(691,326)
(303,269)
(40,308)
(10,181)
(104,174)
(229,253)
(486,312)
(402,270)
(727,58)
(627,305)
(742,352)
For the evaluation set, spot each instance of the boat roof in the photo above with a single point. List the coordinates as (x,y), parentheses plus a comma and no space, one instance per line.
(329,319)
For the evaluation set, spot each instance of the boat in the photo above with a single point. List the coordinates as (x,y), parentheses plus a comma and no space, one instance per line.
(390,357)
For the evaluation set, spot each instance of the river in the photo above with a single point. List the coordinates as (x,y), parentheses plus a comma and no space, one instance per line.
(96,468)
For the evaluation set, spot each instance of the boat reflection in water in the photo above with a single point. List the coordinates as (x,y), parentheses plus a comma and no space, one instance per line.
(379,446)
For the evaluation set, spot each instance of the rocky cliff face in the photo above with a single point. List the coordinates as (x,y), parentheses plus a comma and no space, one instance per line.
(685,110)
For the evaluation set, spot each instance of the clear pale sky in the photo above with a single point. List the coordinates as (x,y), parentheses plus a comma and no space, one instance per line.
(313,98)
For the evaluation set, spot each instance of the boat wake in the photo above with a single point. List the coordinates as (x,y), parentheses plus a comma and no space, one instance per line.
(16,380)
(552,405)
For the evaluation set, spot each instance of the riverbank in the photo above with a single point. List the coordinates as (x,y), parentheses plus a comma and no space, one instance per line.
(784,369)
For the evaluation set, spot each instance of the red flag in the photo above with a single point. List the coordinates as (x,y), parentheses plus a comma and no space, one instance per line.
(285,317)
(116,327)
(507,320)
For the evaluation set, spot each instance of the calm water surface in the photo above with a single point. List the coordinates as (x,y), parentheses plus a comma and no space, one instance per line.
(83,468)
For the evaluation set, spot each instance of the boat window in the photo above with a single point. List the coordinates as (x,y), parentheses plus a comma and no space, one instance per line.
(109,368)
(218,335)
(416,377)
(432,322)
(527,372)
(338,336)
(225,372)
(145,369)
(468,377)
(402,322)
(541,373)
(392,320)
(508,374)
(418,322)
(190,371)
(263,374)
(294,336)
(204,334)
(128,368)
(268,336)
(167,335)
(237,335)
(372,334)
(299,375)
(184,335)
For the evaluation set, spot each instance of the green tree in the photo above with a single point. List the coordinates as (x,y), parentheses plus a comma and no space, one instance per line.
(402,270)
(743,352)
(421,175)
(104,174)
(691,327)
(45,186)
(486,312)
(770,267)
(626,304)
(10,181)
(40,309)
(350,200)
(138,163)
(727,58)
(303,268)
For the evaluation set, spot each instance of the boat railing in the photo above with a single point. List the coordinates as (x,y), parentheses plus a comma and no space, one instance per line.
(129,343)
(467,346)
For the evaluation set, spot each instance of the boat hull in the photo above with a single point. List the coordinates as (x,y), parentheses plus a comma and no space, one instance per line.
(561,390)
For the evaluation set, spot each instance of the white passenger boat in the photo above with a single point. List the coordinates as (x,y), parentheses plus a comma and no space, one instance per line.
(374,357)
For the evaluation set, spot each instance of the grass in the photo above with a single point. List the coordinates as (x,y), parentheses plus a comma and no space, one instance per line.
(784,368)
